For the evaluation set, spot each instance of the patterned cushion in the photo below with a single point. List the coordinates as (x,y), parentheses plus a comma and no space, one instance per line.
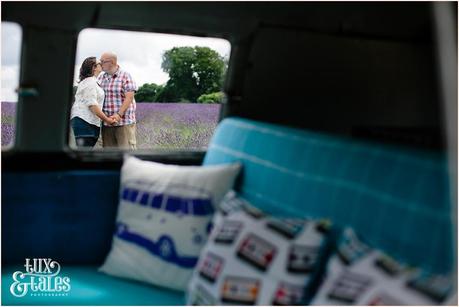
(360,275)
(163,219)
(252,258)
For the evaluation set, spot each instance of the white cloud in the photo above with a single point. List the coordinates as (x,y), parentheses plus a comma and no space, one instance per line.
(11,43)
(11,49)
(10,81)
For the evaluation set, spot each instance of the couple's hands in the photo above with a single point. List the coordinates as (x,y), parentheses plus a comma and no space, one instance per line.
(112,120)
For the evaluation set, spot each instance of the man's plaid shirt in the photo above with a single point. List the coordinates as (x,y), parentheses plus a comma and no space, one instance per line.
(115,88)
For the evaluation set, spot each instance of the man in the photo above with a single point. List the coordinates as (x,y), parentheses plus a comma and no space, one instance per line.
(119,103)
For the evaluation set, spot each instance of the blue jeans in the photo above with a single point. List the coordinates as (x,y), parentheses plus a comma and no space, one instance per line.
(86,134)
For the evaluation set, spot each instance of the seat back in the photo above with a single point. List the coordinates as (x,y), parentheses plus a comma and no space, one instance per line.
(398,199)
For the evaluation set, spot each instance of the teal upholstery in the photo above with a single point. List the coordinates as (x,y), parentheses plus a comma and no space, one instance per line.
(90,287)
(398,199)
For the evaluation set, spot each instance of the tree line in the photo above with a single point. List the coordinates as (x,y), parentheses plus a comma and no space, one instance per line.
(196,74)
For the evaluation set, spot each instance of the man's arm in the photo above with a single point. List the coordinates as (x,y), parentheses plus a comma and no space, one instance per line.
(126,103)
(98,112)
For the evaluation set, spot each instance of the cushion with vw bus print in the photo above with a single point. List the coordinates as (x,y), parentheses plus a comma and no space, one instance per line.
(164,218)
(255,259)
(360,275)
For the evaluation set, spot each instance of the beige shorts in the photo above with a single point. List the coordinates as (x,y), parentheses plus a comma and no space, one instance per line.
(119,137)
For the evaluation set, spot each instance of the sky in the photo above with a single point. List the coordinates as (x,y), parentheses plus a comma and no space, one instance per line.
(139,53)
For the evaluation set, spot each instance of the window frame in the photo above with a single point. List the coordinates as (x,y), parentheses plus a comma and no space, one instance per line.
(145,153)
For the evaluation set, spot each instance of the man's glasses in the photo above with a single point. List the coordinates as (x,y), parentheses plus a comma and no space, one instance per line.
(103,62)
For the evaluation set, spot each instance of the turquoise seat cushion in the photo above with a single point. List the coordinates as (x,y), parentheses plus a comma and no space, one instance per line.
(397,198)
(90,287)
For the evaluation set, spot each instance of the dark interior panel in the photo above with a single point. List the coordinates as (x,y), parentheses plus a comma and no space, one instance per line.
(340,84)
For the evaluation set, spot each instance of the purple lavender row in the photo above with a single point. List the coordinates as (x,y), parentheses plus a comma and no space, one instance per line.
(159,125)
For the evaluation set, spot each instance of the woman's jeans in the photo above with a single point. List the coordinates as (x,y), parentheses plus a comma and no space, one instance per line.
(86,134)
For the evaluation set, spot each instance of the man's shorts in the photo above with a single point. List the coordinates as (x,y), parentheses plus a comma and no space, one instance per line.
(119,136)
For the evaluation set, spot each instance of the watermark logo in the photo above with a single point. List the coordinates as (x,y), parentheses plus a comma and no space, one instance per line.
(41,278)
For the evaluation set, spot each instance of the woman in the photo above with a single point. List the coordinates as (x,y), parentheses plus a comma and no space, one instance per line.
(86,114)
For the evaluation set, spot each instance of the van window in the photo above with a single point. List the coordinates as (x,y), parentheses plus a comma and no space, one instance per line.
(177,80)
(11,55)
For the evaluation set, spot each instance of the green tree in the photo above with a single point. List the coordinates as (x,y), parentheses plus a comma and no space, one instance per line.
(216,97)
(192,73)
(166,94)
(147,92)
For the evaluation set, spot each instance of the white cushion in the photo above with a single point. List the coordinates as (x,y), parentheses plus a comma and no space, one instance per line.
(163,219)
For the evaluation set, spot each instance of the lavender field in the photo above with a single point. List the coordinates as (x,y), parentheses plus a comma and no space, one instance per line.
(159,125)
(175,125)
(8,118)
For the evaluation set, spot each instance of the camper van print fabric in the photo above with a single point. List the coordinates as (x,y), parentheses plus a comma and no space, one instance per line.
(252,258)
(360,275)
(164,218)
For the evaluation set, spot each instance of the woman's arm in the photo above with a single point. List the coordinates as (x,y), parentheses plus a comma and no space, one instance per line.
(89,98)
(97,111)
